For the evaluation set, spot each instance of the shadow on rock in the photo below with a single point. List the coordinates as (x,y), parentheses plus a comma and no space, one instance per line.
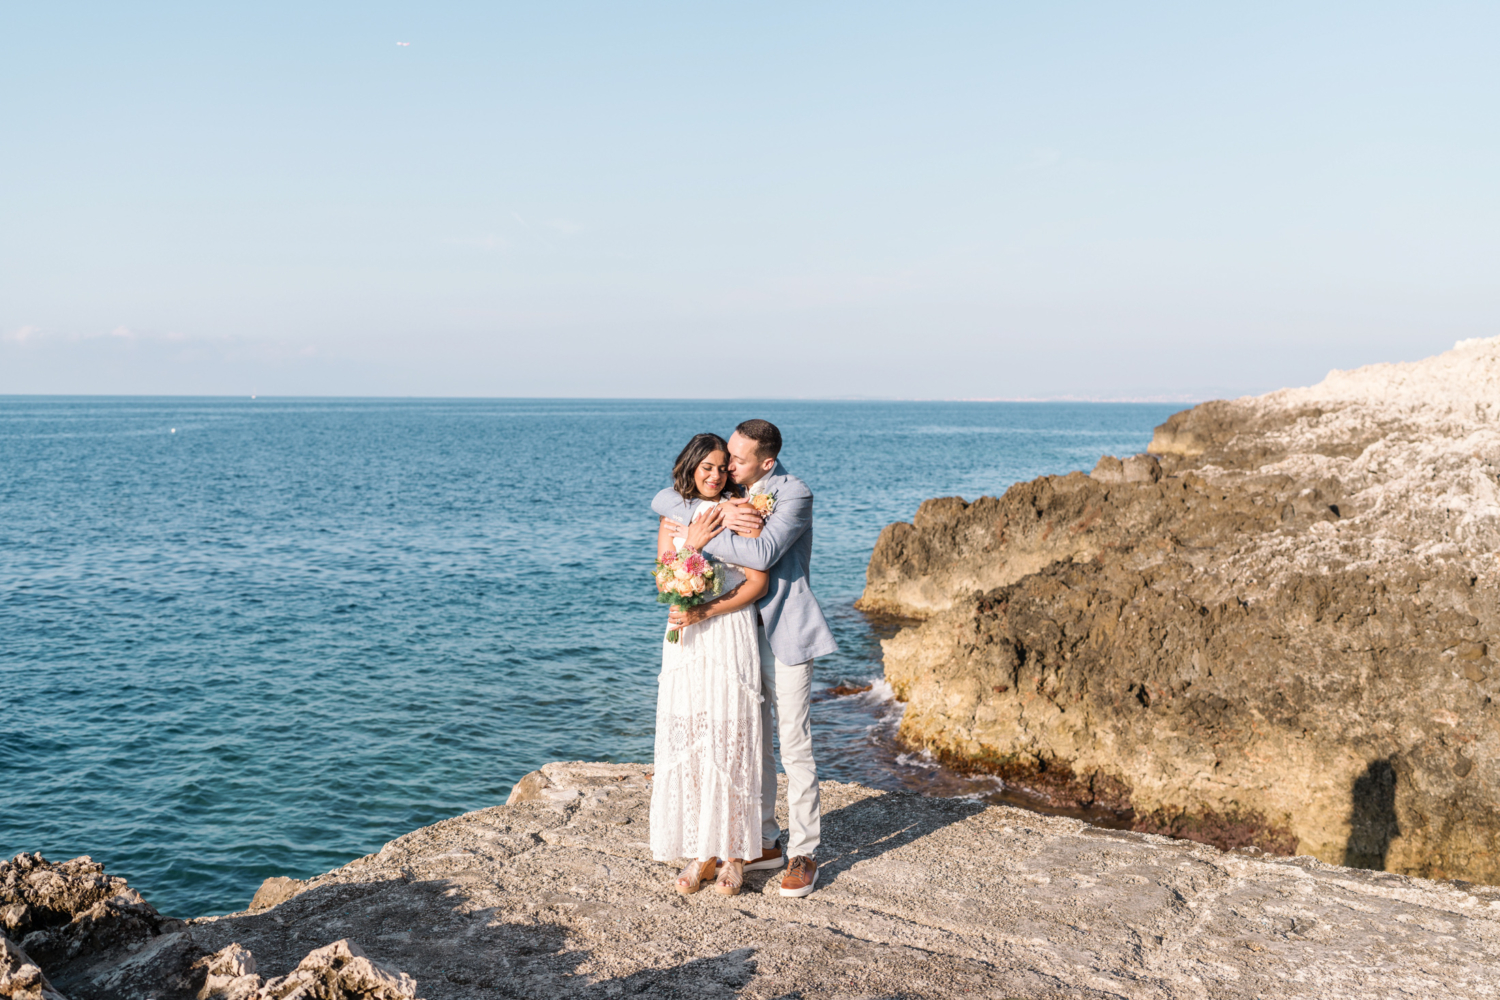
(869,828)
(721,976)
(85,935)
(1372,818)
(96,939)
(424,928)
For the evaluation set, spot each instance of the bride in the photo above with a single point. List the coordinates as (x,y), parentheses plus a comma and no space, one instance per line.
(705,797)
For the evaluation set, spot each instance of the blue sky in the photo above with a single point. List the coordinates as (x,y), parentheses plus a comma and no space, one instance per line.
(810,200)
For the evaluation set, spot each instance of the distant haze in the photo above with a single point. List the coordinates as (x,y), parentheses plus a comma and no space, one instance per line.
(1110,201)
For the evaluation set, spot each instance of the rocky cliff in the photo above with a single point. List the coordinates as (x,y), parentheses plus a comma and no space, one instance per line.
(555,895)
(1276,629)
(70,930)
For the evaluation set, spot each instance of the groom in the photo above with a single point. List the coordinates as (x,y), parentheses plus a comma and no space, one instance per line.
(792,632)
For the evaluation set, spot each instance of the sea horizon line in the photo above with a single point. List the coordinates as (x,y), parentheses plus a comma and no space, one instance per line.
(1186,399)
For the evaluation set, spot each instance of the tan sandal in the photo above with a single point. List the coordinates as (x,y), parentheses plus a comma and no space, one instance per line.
(731,878)
(691,878)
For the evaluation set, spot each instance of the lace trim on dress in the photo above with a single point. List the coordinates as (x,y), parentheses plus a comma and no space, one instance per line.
(705,794)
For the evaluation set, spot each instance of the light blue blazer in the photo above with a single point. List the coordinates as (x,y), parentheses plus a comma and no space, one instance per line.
(794,622)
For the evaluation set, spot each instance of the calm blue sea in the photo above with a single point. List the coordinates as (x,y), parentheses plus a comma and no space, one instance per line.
(242,638)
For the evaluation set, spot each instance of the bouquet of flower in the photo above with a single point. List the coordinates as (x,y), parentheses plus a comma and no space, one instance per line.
(763,503)
(685,579)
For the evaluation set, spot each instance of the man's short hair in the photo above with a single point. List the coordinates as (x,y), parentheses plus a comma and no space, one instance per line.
(765,435)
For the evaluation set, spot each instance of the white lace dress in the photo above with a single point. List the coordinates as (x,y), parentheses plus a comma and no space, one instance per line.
(705,795)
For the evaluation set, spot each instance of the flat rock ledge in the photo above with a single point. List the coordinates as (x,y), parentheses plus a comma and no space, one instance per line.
(555,895)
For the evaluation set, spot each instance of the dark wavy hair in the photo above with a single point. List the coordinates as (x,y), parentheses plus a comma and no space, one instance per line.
(699,448)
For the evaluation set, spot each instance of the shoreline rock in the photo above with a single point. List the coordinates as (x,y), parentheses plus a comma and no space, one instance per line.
(1275,629)
(83,935)
(919,897)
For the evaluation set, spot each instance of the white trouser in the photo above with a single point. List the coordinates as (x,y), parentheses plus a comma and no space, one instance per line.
(787,688)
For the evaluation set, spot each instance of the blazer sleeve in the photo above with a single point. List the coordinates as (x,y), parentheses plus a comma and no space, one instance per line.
(787,523)
(670,505)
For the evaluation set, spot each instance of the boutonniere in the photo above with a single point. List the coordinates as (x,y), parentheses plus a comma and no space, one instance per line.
(764,503)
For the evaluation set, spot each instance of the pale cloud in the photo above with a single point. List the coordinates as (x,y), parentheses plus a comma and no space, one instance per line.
(22,334)
(119,334)
(564,226)
(132,336)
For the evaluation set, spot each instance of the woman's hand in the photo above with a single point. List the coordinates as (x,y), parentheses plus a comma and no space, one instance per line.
(681,618)
(705,528)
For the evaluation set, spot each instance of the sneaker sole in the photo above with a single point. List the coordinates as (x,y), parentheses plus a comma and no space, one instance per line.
(806,888)
(761,866)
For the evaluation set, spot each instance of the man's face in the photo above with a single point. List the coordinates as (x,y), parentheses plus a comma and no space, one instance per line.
(745,463)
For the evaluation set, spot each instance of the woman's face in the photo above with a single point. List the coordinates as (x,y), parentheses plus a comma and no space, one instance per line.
(712,474)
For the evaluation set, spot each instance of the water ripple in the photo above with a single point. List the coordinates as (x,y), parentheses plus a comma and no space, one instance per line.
(269,642)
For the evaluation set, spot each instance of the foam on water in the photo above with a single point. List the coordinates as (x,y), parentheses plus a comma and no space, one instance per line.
(294,629)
